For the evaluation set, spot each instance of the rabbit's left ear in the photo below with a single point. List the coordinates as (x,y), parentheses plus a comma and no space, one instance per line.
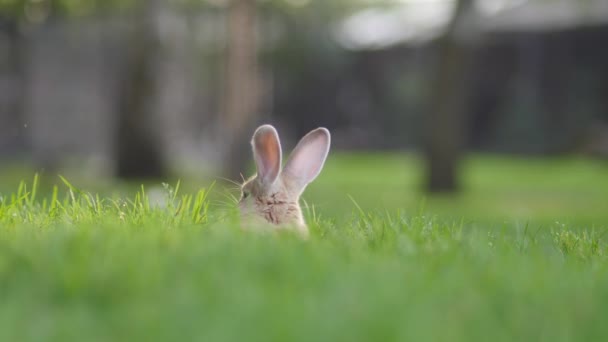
(267,153)
(308,157)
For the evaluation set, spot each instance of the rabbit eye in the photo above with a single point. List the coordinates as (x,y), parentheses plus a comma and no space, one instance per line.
(245,194)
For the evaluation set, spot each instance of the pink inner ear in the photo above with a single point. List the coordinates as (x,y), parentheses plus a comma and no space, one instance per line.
(267,153)
(307,159)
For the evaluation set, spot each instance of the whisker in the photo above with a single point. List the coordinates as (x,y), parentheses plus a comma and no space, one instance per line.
(230,197)
(223,203)
(233,188)
(230,181)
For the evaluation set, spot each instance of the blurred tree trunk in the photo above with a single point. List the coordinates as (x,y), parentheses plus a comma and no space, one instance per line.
(138,141)
(12,87)
(241,96)
(446,130)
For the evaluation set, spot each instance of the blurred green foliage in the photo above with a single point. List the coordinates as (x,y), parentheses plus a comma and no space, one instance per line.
(20,8)
(70,8)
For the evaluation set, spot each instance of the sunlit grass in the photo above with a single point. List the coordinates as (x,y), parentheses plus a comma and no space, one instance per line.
(382,263)
(494,189)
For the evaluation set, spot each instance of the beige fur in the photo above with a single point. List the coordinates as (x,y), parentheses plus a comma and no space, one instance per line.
(272,196)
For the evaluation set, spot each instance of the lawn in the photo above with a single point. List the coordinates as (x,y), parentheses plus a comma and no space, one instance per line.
(520,254)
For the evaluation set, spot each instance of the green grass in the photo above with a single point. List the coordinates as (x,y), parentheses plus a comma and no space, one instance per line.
(539,191)
(521,254)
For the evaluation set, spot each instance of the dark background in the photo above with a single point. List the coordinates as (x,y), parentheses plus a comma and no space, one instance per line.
(150,89)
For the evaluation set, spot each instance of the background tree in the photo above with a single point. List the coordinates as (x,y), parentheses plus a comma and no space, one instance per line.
(447,119)
(138,145)
(12,82)
(241,95)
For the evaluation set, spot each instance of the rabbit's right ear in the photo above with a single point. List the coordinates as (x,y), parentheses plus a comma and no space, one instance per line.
(267,153)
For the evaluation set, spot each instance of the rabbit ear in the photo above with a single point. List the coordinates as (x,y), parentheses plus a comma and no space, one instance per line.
(267,153)
(307,159)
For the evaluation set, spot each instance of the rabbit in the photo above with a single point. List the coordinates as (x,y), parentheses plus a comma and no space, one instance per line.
(272,195)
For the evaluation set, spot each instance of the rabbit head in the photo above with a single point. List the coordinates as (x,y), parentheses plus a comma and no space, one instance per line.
(272,195)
